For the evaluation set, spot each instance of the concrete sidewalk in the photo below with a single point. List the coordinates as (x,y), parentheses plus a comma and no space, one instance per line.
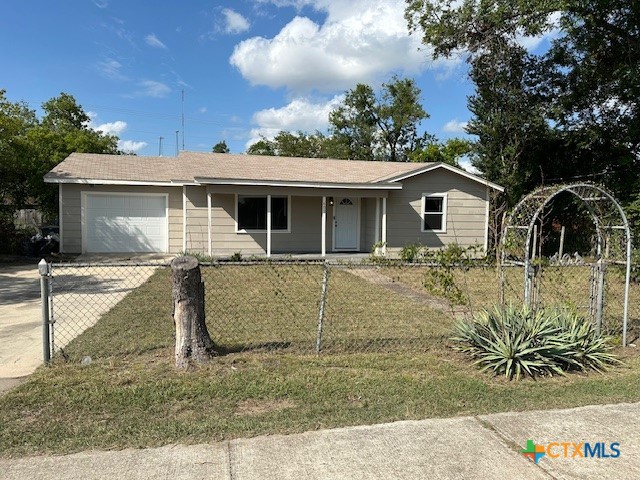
(484,447)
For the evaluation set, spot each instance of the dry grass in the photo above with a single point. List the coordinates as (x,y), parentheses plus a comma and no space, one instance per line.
(131,396)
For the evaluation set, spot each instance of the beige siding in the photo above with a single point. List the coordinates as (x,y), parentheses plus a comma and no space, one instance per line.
(71,212)
(368,232)
(197,219)
(466,211)
(305,234)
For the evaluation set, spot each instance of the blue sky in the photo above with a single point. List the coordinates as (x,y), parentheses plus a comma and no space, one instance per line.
(247,67)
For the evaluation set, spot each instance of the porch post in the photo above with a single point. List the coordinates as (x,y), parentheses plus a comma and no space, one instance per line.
(384,225)
(324,227)
(377,238)
(268,226)
(209,232)
(60,227)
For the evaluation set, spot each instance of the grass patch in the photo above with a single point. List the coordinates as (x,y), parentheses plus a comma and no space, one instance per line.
(131,396)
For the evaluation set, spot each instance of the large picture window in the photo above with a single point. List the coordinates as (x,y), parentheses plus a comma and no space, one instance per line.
(252,213)
(434,212)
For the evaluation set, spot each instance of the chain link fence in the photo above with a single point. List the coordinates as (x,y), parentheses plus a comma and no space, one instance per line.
(306,307)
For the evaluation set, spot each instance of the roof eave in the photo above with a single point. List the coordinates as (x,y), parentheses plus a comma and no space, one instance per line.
(94,181)
(298,184)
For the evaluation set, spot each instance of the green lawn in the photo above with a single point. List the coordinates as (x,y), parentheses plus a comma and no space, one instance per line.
(130,394)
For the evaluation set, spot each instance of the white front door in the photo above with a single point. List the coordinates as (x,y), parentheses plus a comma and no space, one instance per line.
(345,223)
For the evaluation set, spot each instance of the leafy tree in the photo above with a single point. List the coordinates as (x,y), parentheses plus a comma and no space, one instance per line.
(63,114)
(353,123)
(570,112)
(220,147)
(29,147)
(300,144)
(262,147)
(16,166)
(380,127)
(64,129)
(451,151)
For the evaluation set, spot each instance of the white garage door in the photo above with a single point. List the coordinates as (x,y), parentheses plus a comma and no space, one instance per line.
(125,223)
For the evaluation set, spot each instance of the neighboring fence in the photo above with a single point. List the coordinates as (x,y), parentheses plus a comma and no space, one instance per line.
(309,307)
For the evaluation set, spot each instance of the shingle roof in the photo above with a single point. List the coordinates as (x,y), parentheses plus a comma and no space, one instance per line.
(193,167)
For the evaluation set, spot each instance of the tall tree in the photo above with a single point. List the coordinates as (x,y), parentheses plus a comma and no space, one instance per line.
(16,166)
(64,129)
(353,123)
(450,152)
(300,144)
(29,147)
(383,127)
(263,146)
(581,94)
(220,147)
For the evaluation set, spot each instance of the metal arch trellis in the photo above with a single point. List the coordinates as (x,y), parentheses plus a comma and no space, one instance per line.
(612,244)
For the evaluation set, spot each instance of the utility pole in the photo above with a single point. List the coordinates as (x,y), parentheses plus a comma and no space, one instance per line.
(160,147)
(183,119)
(177,150)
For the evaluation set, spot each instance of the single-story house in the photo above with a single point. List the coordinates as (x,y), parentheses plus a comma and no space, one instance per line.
(219,204)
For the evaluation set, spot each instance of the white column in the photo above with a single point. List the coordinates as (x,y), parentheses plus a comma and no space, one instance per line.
(60,214)
(268,226)
(384,225)
(184,218)
(377,238)
(324,227)
(486,221)
(209,232)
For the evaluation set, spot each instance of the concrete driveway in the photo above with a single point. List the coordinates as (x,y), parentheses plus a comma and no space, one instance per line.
(82,294)
(20,321)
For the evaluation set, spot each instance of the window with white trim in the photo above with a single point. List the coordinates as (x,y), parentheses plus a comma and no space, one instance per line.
(252,213)
(434,212)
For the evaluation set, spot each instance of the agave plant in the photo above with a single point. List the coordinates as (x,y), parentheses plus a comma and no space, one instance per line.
(518,341)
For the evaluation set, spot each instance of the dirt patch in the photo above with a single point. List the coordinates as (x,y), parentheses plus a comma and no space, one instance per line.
(252,406)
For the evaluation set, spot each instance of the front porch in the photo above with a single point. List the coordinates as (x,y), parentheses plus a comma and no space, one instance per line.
(276,222)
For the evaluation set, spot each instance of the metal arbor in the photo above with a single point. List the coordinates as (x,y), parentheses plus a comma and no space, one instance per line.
(612,241)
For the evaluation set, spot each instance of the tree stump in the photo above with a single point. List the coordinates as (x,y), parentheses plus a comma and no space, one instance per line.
(193,342)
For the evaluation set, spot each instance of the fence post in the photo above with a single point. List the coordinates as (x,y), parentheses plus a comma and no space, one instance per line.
(43,269)
(600,269)
(323,301)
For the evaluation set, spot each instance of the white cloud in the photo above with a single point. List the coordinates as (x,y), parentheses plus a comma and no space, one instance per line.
(360,41)
(531,43)
(101,3)
(202,110)
(110,68)
(154,41)
(455,126)
(112,128)
(465,164)
(151,88)
(234,22)
(300,114)
(131,146)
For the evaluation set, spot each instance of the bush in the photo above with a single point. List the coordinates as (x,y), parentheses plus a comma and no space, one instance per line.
(412,252)
(517,342)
